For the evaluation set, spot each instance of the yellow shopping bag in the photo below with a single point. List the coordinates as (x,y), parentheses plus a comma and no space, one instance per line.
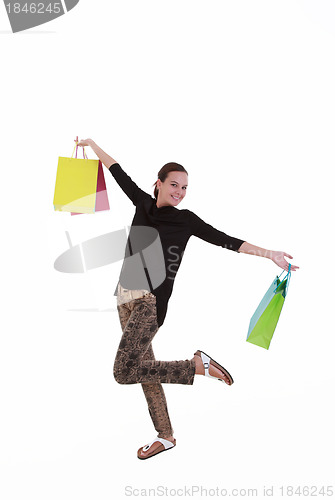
(76,184)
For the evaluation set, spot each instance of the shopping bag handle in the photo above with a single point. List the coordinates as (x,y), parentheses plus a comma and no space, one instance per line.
(76,148)
(288,276)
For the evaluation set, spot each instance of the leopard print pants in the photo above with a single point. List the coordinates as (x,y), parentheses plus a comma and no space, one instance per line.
(135,361)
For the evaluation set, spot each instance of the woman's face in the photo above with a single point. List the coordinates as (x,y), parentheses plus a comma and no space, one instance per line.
(172,190)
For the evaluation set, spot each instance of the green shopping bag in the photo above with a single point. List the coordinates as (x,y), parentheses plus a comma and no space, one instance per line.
(264,320)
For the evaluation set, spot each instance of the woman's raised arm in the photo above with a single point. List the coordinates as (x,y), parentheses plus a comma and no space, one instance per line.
(103,157)
(128,186)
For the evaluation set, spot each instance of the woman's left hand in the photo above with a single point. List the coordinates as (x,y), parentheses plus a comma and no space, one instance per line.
(279,259)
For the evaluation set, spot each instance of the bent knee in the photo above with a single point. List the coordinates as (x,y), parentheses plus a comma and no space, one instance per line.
(125,371)
(121,375)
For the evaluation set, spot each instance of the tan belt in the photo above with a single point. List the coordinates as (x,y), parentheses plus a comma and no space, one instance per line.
(125,295)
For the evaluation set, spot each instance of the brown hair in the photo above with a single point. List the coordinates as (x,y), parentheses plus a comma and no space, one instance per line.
(162,174)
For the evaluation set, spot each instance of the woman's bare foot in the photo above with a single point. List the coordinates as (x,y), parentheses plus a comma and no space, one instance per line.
(215,372)
(154,447)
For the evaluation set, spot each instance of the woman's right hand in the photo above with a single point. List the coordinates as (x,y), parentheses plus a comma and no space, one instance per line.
(84,142)
(103,157)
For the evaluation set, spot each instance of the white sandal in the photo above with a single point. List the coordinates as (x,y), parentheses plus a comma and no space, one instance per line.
(206,360)
(165,445)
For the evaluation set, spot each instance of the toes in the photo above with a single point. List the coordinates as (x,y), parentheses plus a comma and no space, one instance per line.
(225,378)
(148,452)
(142,453)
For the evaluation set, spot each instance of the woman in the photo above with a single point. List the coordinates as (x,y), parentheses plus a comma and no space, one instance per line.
(142,296)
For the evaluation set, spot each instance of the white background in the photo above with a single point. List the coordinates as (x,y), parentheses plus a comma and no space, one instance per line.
(241,94)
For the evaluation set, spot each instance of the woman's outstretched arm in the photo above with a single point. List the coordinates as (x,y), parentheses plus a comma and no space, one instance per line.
(277,257)
(103,157)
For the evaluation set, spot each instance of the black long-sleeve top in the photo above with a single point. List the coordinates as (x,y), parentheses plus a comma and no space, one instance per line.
(174,227)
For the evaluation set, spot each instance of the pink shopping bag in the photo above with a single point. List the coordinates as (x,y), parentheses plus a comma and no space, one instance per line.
(101,202)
